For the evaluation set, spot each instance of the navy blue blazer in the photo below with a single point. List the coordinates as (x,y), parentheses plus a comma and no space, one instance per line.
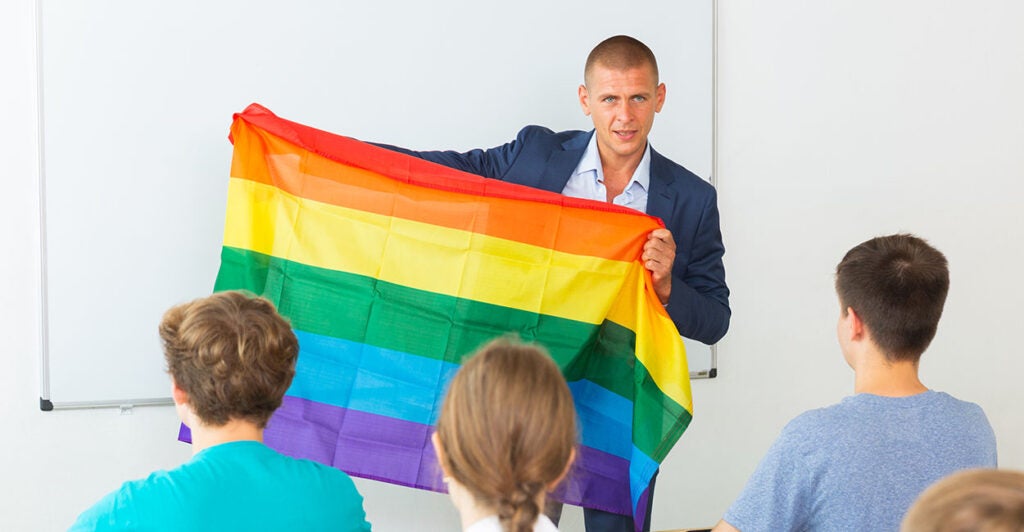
(541,158)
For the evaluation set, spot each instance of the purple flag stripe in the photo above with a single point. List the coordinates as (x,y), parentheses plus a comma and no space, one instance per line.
(331,435)
(400,452)
(361,444)
(596,477)
(641,510)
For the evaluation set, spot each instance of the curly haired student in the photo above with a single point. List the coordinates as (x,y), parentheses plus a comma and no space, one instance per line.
(231,358)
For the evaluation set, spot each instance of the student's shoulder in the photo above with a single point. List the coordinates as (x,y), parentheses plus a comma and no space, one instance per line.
(324,474)
(119,509)
(814,425)
(100,516)
(817,417)
(965,409)
(332,492)
(954,402)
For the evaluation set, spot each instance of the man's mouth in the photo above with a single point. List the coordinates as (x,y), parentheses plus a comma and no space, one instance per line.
(625,135)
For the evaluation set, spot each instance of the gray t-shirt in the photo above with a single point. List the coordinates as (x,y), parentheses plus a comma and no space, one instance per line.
(859,464)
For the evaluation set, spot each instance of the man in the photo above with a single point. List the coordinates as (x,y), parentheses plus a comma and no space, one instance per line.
(859,464)
(231,358)
(614,163)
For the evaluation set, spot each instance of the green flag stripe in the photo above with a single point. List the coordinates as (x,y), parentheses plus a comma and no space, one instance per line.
(363,309)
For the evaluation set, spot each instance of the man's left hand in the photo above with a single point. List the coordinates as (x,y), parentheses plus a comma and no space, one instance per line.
(659,255)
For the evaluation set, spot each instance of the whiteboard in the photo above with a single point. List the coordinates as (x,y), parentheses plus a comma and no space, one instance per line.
(137,97)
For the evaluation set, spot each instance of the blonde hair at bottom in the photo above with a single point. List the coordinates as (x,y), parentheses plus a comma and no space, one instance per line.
(977,500)
(508,429)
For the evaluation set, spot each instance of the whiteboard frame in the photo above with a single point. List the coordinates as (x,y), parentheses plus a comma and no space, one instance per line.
(45,399)
(712,372)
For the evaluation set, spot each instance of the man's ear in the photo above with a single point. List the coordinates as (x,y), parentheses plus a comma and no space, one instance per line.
(584,97)
(439,450)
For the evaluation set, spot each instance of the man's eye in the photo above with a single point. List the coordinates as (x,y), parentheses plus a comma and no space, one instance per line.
(609,99)
(639,99)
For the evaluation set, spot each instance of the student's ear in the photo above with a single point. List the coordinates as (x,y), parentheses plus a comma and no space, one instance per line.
(181,405)
(568,466)
(856,325)
(439,450)
(180,396)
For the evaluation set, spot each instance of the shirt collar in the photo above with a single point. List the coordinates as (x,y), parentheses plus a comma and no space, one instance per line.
(591,162)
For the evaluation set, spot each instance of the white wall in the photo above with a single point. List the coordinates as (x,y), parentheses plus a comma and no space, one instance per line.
(838,121)
(51,464)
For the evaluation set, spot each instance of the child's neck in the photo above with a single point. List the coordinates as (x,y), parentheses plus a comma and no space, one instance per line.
(206,436)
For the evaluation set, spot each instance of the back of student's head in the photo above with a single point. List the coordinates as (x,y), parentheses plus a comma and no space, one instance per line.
(980,500)
(508,429)
(897,284)
(233,354)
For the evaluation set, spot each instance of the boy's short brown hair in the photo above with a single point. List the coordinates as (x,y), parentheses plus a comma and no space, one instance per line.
(897,284)
(233,354)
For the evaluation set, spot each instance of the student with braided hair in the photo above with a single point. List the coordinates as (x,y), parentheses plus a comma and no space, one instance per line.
(506,437)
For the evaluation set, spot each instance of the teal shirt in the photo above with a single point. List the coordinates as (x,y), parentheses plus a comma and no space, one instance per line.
(241,485)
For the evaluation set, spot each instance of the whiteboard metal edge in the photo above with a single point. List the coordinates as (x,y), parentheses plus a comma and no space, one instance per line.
(122,403)
(44,344)
(712,372)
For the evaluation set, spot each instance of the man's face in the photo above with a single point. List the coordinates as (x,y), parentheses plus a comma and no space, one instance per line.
(622,104)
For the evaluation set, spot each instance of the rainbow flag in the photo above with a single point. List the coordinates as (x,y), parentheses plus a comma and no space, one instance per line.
(391,269)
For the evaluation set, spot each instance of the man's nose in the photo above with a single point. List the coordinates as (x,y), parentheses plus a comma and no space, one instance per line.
(623,113)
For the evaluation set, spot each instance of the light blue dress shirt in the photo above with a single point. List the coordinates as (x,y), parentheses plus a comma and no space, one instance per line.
(587,181)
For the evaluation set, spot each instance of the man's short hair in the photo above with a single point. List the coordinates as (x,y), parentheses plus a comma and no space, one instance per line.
(620,52)
(897,284)
(233,354)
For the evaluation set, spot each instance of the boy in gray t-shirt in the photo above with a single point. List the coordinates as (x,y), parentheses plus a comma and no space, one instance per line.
(859,464)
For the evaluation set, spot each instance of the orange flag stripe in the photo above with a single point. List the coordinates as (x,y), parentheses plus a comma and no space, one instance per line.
(462,201)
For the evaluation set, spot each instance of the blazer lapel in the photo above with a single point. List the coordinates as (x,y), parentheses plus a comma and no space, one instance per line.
(661,198)
(562,162)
